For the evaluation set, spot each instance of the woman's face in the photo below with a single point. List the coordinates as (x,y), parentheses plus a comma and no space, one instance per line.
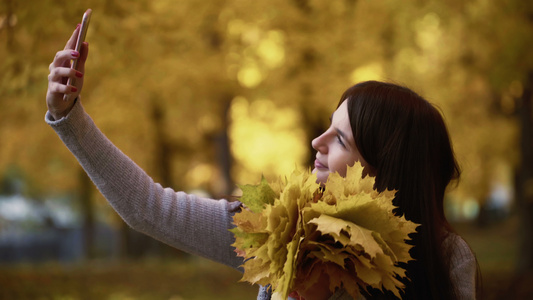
(336,147)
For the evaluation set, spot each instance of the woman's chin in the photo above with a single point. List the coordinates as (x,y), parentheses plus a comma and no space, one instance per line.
(321,177)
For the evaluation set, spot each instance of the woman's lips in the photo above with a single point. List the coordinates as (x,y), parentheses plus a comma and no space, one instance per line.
(319,165)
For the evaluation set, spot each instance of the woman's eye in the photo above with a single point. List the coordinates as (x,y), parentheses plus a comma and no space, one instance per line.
(340,141)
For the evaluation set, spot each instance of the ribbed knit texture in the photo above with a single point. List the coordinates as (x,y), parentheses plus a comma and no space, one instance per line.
(189,223)
(463,267)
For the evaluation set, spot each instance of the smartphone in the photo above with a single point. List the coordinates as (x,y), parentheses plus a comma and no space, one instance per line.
(83,32)
(81,38)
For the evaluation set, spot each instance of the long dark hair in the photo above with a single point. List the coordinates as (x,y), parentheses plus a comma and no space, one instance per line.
(404,139)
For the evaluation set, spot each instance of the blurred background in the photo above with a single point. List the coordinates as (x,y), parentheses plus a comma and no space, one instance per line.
(205,95)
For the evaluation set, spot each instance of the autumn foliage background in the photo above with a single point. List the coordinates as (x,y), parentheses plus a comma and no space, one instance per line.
(207,94)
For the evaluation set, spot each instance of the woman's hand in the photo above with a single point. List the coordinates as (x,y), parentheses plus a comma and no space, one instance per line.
(60,95)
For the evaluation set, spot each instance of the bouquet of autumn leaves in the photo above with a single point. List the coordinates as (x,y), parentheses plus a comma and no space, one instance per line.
(293,230)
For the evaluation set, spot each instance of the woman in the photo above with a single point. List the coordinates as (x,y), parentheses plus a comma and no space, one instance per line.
(398,136)
(402,140)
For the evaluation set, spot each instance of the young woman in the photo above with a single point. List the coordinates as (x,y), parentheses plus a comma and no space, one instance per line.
(402,140)
(398,136)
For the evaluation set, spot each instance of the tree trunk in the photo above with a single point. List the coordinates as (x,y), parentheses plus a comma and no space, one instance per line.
(222,146)
(163,161)
(525,179)
(87,207)
(163,157)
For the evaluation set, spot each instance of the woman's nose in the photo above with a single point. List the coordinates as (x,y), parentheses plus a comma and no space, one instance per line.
(319,144)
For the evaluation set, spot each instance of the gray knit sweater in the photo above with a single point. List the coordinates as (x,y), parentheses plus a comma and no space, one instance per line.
(193,224)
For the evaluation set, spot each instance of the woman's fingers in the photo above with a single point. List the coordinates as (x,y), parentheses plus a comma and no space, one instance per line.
(61,74)
(58,88)
(63,58)
(71,43)
(84,53)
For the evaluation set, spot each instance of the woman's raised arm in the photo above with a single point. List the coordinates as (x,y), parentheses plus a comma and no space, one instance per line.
(196,225)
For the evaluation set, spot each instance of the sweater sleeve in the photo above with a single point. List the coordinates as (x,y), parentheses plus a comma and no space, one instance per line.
(189,223)
(463,268)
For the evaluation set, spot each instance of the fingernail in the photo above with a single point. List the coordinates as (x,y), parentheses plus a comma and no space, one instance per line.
(73,89)
(75,53)
(78,26)
(79,74)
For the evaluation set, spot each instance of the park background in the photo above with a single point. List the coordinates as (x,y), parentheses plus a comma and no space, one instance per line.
(205,95)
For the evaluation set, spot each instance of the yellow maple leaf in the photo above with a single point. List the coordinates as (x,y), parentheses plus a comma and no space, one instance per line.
(356,235)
